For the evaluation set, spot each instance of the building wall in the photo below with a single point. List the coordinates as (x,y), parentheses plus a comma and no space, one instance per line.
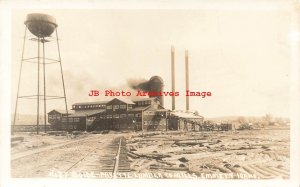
(117,116)
(173,123)
(176,123)
(110,121)
(153,121)
(75,123)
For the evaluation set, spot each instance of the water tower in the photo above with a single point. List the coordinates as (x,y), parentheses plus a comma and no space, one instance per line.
(41,26)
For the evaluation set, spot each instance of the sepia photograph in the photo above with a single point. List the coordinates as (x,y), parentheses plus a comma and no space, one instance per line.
(199,91)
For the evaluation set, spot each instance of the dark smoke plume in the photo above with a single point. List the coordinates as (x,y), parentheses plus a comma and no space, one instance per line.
(139,84)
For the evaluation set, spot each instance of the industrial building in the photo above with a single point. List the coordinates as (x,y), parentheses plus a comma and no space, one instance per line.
(144,114)
(122,114)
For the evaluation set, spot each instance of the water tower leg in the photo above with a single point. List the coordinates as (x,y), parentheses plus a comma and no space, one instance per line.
(62,77)
(20,74)
(45,116)
(38,90)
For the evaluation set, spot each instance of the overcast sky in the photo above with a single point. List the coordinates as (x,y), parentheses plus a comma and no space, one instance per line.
(241,55)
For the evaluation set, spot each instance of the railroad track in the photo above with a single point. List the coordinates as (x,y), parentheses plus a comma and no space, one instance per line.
(104,162)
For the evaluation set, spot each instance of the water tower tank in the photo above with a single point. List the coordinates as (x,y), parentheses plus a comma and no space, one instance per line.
(41,25)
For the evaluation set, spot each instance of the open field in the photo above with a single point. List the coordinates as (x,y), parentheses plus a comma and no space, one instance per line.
(254,154)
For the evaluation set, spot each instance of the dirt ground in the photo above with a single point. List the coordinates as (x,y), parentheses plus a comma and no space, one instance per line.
(249,154)
(43,161)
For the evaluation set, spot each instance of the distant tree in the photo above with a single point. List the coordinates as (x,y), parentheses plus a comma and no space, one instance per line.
(279,120)
(268,119)
(252,120)
(242,120)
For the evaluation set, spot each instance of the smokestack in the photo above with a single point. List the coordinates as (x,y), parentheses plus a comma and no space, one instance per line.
(173,76)
(187,99)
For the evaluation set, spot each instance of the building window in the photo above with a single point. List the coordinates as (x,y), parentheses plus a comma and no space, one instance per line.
(122,106)
(64,120)
(122,115)
(79,107)
(70,119)
(76,119)
(116,107)
(130,115)
(129,107)
(149,113)
(138,115)
(108,116)
(116,115)
(102,116)
(91,118)
(108,107)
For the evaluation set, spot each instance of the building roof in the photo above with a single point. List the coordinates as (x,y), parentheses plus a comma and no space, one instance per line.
(61,111)
(140,108)
(145,99)
(124,100)
(186,115)
(159,110)
(83,113)
(92,103)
